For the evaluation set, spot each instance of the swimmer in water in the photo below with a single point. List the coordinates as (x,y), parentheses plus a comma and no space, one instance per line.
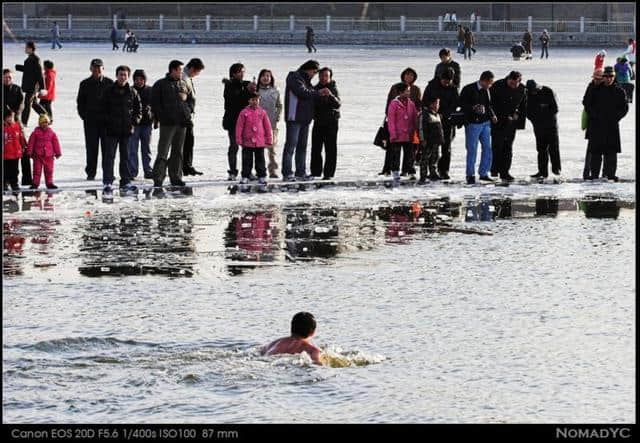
(303,327)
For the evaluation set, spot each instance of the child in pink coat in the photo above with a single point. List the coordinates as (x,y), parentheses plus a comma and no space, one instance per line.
(43,146)
(402,120)
(253,133)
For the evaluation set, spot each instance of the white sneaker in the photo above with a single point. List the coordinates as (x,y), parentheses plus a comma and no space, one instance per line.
(262,180)
(244,181)
(557,178)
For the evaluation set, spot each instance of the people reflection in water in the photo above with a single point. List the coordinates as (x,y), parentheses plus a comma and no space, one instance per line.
(251,237)
(600,207)
(13,243)
(311,233)
(138,243)
(547,207)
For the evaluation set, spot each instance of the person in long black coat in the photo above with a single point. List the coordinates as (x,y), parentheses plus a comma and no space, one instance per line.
(325,127)
(542,108)
(445,89)
(32,82)
(605,107)
(509,101)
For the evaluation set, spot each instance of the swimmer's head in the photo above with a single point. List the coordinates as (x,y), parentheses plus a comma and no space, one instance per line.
(303,324)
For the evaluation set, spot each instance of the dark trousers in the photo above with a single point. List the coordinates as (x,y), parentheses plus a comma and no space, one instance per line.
(610,163)
(310,46)
(467,52)
(232,154)
(586,173)
(502,147)
(248,155)
(394,156)
(187,151)
(115,45)
(94,134)
(326,135)
(548,147)
(30,102)
(25,164)
(429,160)
(545,50)
(46,105)
(111,145)
(449,134)
(10,172)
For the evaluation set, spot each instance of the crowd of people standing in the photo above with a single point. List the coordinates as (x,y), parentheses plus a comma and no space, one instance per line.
(119,118)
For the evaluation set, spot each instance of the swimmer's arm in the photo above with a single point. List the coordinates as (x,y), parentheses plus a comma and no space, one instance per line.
(316,356)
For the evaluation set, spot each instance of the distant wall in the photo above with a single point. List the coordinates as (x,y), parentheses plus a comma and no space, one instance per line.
(617,11)
(504,39)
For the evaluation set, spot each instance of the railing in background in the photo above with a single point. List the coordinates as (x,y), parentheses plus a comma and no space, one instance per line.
(319,25)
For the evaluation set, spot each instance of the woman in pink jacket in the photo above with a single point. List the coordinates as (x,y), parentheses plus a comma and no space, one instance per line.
(43,146)
(402,119)
(253,133)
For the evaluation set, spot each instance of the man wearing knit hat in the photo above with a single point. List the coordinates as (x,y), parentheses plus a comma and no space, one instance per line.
(542,108)
(596,80)
(605,107)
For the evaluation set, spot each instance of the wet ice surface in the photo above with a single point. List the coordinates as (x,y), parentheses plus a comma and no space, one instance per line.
(446,304)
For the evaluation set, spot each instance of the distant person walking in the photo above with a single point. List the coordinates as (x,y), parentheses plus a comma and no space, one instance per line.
(32,81)
(469,43)
(598,62)
(542,109)
(114,39)
(606,106)
(310,39)
(623,76)
(55,36)
(90,111)
(193,69)
(475,101)
(325,127)
(127,39)
(527,42)
(48,94)
(630,53)
(544,39)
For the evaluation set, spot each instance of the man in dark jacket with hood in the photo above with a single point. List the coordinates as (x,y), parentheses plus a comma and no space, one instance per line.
(32,81)
(509,102)
(605,107)
(236,98)
(299,108)
(325,127)
(444,89)
(141,131)
(447,62)
(172,107)
(123,110)
(92,114)
(542,108)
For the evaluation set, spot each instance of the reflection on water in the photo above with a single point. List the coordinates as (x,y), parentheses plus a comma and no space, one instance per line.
(600,206)
(136,243)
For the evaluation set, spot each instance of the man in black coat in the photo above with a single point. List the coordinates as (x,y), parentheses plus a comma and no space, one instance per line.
(542,108)
(325,127)
(92,114)
(123,110)
(509,101)
(597,80)
(444,89)
(236,98)
(447,62)
(12,97)
(605,107)
(32,81)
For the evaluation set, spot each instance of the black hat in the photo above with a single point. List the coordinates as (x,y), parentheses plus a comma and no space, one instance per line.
(531,85)
(140,73)
(608,72)
(97,62)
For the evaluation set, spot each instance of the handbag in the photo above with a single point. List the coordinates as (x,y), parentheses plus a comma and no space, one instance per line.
(382,136)
(457,119)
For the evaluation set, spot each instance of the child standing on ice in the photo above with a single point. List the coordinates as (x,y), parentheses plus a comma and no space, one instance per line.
(253,133)
(43,146)
(12,147)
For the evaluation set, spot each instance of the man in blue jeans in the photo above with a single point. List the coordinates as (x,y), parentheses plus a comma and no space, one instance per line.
(475,101)
(299,108)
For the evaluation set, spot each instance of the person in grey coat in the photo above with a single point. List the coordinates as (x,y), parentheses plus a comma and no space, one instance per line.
(270,101)
(55,36)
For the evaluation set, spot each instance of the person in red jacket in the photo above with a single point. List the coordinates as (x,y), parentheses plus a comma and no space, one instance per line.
(12,147)
(43,146)
(49,94)
(598,62)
